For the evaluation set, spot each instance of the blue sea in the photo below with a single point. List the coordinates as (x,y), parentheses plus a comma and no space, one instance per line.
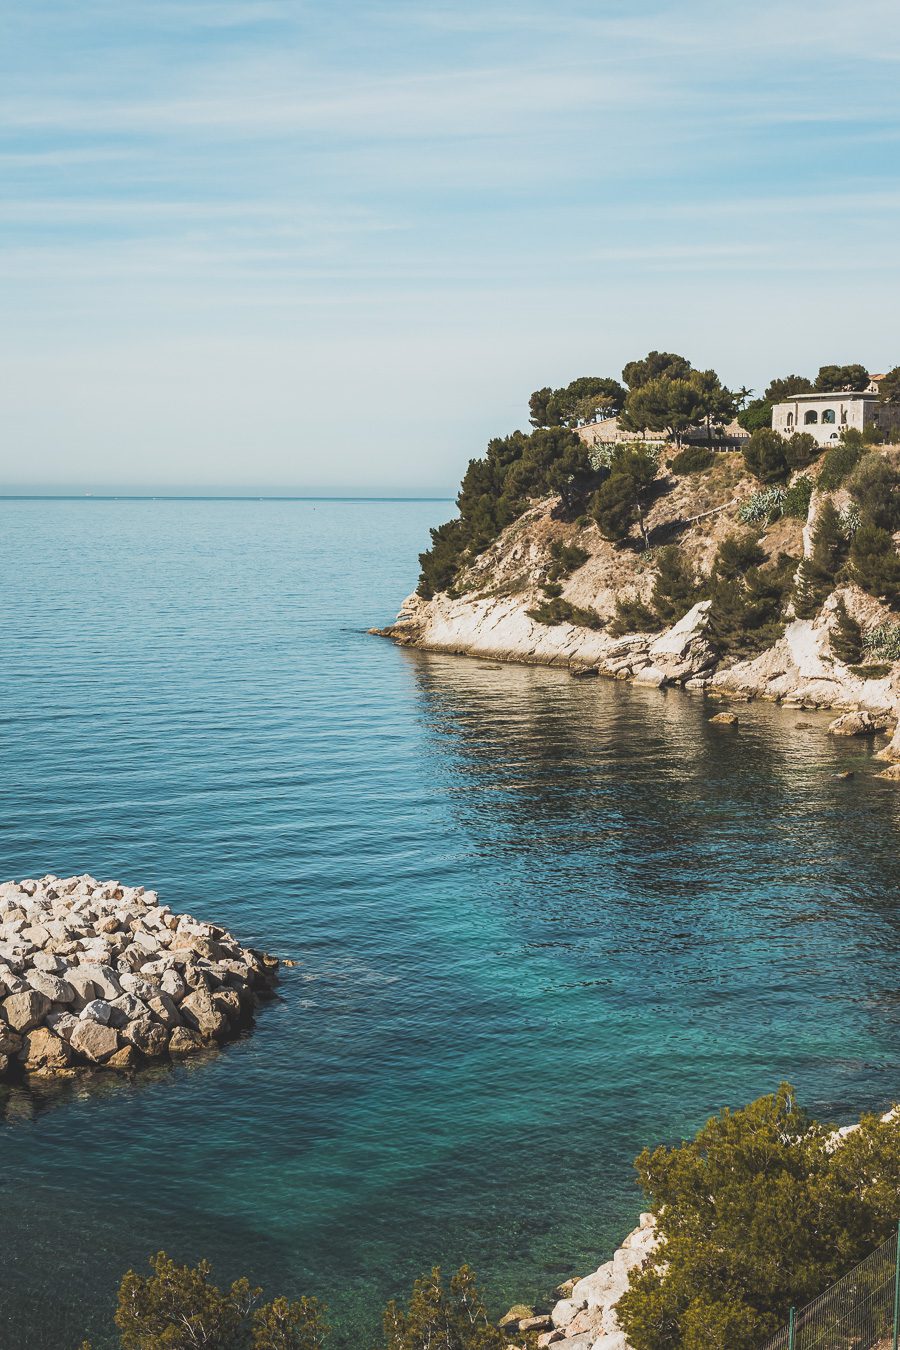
(538,923)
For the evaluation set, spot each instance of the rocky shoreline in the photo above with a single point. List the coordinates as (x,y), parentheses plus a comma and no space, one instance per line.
(798,671)
(584,1314)
(97,975)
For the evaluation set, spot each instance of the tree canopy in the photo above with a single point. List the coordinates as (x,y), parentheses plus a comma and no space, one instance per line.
(619,501)
(832,379)
(179,1308)
(889,388)
(765,455)
(451,1319)
(759,1212)
(584,400)
(496,490)
(656,366)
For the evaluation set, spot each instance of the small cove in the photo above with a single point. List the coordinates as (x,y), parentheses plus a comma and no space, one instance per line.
(538,922)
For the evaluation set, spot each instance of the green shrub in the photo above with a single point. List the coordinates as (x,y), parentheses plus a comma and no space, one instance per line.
(875,488)
(818,573)
(765,455)
(759,1212)
(694,459)
(883,641)
(801,449)
(840,460)
(745,615)
(845,637)
(553,589)
(797,498)
(177,1308)
(441,1319)
(875,564)
(765,505)
(555,611)
(633,616)
(566,559)
(675,588)
(875,672)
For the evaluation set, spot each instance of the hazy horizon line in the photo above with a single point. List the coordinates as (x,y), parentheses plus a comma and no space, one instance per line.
(206,497)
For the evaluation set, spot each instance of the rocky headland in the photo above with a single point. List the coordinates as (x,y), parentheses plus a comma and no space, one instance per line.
(514,601)
(97,975)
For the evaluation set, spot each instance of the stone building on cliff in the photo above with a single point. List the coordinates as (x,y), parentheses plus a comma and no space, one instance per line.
(825,416)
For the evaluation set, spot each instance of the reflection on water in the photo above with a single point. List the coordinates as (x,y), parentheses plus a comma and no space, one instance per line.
(539,922)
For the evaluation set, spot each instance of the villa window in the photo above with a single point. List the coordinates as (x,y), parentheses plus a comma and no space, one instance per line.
(810,417)
(790,419)
(829,415)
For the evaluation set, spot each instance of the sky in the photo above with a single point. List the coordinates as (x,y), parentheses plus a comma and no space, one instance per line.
(330,248)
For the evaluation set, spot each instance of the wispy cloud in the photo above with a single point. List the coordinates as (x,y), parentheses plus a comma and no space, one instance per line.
(466,187)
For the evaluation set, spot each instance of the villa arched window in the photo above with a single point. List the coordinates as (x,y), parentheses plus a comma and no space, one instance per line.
(790,420)
(829,416)
(810,417)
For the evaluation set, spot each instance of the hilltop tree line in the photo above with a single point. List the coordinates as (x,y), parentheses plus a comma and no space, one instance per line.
(661,393)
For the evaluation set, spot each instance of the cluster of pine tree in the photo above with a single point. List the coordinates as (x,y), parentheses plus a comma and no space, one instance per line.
(179,1308)
(496,489)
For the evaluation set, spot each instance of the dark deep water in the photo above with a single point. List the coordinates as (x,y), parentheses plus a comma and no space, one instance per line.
(538,922)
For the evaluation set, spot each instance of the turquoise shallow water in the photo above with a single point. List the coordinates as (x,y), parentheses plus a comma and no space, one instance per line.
(538,922)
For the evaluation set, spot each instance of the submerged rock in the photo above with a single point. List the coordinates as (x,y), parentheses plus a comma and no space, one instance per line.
(99,974)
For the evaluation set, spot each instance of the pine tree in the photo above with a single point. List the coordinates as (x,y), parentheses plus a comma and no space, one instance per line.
(674,590)
(875,564)
(817,573)
(452,1320)
(747,598)
(765,455)
(845,637)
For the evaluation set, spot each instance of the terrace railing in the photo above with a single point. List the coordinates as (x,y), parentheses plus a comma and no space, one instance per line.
(859,1312)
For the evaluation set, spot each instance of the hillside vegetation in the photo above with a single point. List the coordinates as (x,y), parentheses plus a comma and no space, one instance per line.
(627,537)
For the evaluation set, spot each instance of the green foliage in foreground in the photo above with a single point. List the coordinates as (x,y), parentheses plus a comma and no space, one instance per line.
(441,1319)
(178,1308)
(758,1212)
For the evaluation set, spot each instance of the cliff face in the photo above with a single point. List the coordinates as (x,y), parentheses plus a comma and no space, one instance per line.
(487,615)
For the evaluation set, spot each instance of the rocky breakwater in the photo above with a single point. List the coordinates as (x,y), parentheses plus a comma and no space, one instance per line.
(98,975)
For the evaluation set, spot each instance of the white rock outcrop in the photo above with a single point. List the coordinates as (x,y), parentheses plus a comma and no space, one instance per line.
(94,973)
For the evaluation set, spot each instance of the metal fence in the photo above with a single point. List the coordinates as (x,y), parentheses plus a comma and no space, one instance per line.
(860,1312)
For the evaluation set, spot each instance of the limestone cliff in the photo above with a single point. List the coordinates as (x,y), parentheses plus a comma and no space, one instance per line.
(491,610)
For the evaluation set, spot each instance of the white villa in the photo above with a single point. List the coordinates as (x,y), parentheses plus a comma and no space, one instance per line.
(825,416)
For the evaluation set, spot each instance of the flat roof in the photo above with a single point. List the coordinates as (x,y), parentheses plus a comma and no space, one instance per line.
(820,396)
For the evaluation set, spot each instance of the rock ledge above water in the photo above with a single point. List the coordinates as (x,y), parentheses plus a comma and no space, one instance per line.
(94,974)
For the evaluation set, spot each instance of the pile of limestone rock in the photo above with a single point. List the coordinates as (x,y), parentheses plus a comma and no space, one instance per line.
(584,1317)
(96,974)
